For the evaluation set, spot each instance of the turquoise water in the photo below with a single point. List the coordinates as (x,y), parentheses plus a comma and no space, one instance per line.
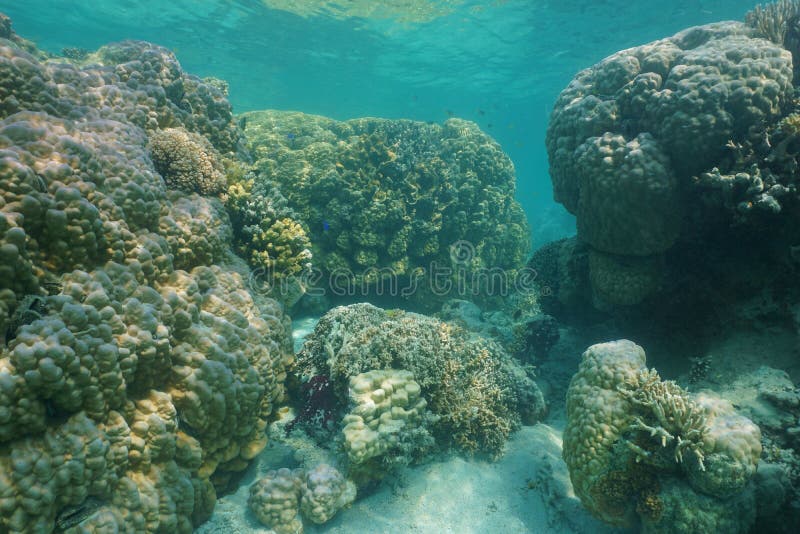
(499,63)
(321,311)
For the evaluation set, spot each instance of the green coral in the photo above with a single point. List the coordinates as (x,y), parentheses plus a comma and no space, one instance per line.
(268,235)
(389,197)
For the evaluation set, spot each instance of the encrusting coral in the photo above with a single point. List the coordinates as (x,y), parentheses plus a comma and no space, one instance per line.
(642,451)
(137,371)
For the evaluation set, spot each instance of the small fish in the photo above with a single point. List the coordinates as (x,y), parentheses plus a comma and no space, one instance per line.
(489,125)
(450,113)
(290,136)
(325,226)
(481,112)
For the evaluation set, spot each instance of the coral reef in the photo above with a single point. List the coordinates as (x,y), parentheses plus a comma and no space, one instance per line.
(476,392)
(644,451)
(385,201)
(628,136)
(137,372)
(279,498)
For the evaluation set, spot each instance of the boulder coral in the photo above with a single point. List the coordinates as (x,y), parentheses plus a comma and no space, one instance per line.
(137,370)
(386,408)
(642,451)
(281,499)
(389,198)
(628,137)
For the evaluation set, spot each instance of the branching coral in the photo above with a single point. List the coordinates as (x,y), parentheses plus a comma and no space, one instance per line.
(780,23)
(681,423)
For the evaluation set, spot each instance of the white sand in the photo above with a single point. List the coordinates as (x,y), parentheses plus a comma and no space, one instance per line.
(526,491)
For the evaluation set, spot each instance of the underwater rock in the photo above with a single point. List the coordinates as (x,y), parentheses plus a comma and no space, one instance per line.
(642,451)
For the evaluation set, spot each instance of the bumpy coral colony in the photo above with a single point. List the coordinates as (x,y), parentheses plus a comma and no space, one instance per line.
(137,372)
(644,452)
(652,147)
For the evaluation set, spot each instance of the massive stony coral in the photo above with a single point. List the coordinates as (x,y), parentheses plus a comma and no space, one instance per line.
(129,387)
(380,196)
(131,81)
(644,451)
(688,94)
(628,134)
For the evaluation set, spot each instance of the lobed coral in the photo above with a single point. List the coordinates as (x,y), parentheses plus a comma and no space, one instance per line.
(384,200)
(135,377)
(644,451)
(627,136)
(386,405)
(268,235)
(131,82)
(280,498)
(275,500)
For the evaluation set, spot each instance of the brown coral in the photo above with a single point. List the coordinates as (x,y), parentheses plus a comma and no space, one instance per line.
(187,161)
